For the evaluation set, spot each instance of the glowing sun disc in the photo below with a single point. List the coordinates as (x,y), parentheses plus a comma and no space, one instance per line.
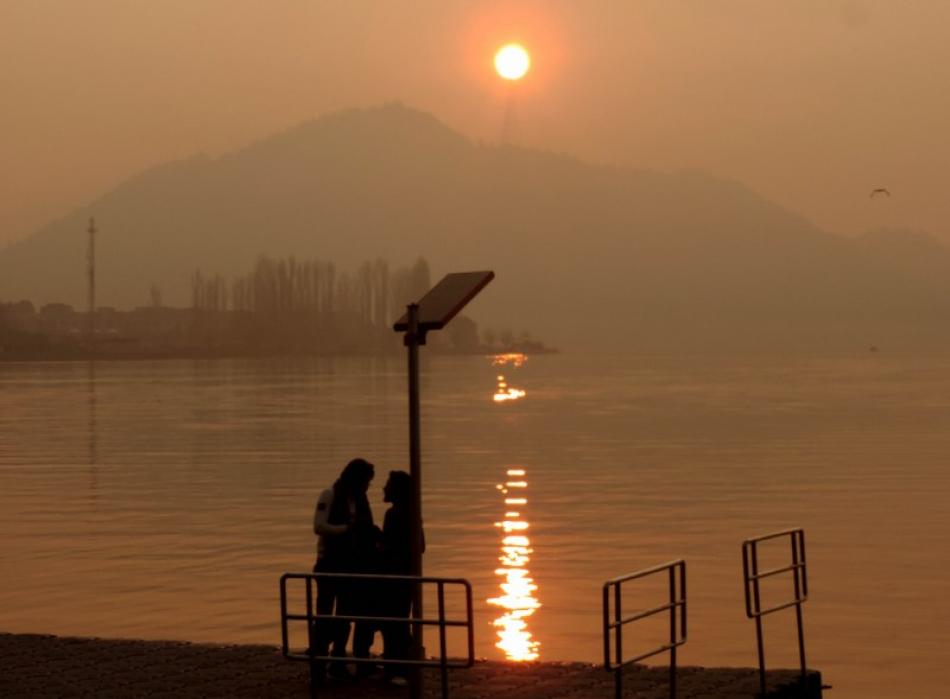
(512,62)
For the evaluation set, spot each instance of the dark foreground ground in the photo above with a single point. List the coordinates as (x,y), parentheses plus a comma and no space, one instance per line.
(49,666)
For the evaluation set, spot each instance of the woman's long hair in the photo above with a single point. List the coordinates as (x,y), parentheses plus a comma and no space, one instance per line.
(351,481)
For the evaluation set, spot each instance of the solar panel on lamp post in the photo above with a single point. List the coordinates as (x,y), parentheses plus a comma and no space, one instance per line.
(432,312)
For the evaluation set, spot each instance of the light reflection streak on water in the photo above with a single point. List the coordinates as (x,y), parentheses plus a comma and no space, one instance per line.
(516,359)
(517,599)
(504,392)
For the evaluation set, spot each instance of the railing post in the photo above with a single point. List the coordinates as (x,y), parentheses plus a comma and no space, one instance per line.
(312,638)
(618,630)
(754,553)
(442,645)
(471,623)
(683,599)
(798,606)
(673,607)
(283,614)
(605,609)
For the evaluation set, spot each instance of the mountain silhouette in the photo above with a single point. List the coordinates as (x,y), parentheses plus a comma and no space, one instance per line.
(585,255)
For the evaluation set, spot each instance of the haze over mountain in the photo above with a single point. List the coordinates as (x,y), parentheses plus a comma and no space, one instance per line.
(585,255)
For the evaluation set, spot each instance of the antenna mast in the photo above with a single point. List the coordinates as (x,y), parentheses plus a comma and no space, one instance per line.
(91,267)
(509,129)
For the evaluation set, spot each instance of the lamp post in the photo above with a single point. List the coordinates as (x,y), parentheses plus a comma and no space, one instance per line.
(432,312)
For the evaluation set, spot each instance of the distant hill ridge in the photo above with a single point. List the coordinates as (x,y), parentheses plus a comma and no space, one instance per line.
(585,255)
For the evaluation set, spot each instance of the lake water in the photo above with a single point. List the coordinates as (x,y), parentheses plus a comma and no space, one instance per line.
(164,499)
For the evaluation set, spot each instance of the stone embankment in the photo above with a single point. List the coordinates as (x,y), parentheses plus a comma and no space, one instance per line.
(50,666)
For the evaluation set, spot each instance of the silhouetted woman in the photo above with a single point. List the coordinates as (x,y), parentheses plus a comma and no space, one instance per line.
(343,523)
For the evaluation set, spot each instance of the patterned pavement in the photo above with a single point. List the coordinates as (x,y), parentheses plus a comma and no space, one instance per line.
(49,666)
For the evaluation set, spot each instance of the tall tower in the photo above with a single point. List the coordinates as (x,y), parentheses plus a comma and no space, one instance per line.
(91,268)
(510,135)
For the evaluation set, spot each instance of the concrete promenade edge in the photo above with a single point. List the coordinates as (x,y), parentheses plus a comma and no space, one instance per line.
(41,666)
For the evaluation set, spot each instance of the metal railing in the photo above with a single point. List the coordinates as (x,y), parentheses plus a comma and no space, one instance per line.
(677,630)
(753,597)
(311,617)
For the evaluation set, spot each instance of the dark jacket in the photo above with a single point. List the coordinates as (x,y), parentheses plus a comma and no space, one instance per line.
(354,551)
(396,541)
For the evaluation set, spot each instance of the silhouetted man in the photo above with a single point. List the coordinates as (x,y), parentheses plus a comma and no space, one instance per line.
(396,559)
(343,523)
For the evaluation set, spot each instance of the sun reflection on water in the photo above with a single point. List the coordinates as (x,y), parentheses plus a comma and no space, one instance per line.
(504,392)
(517,599)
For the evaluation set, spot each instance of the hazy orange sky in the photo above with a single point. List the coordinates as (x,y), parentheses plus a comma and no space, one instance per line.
(811,102)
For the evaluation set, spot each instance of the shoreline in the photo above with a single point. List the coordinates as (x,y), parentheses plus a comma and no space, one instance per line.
(36,665)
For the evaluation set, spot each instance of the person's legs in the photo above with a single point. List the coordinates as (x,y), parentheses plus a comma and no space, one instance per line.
(322,630)
(363,635)
(341,634)
(358,600)
(340,630)
(396,636)
(327,630)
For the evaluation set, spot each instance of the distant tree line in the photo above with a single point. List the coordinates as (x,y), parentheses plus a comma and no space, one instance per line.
(291,303)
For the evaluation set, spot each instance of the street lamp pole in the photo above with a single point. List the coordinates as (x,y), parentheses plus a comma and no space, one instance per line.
(413,340)
(440,304)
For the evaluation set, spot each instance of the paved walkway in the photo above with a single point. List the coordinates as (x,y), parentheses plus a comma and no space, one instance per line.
(49,666)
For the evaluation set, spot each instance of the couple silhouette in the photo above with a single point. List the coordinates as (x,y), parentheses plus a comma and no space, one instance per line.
(348,541)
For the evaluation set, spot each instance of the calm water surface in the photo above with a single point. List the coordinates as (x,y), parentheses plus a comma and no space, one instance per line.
(164,499)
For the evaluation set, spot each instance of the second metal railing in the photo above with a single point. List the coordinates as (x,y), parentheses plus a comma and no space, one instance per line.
(753,595)
(613,624)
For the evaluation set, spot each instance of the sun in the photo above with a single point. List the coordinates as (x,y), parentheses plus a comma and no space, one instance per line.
(512,61)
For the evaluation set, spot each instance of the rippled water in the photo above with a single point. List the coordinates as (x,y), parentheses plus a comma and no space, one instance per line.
(164,499)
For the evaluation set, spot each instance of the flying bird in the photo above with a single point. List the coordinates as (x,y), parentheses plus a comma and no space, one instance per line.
(879,190)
